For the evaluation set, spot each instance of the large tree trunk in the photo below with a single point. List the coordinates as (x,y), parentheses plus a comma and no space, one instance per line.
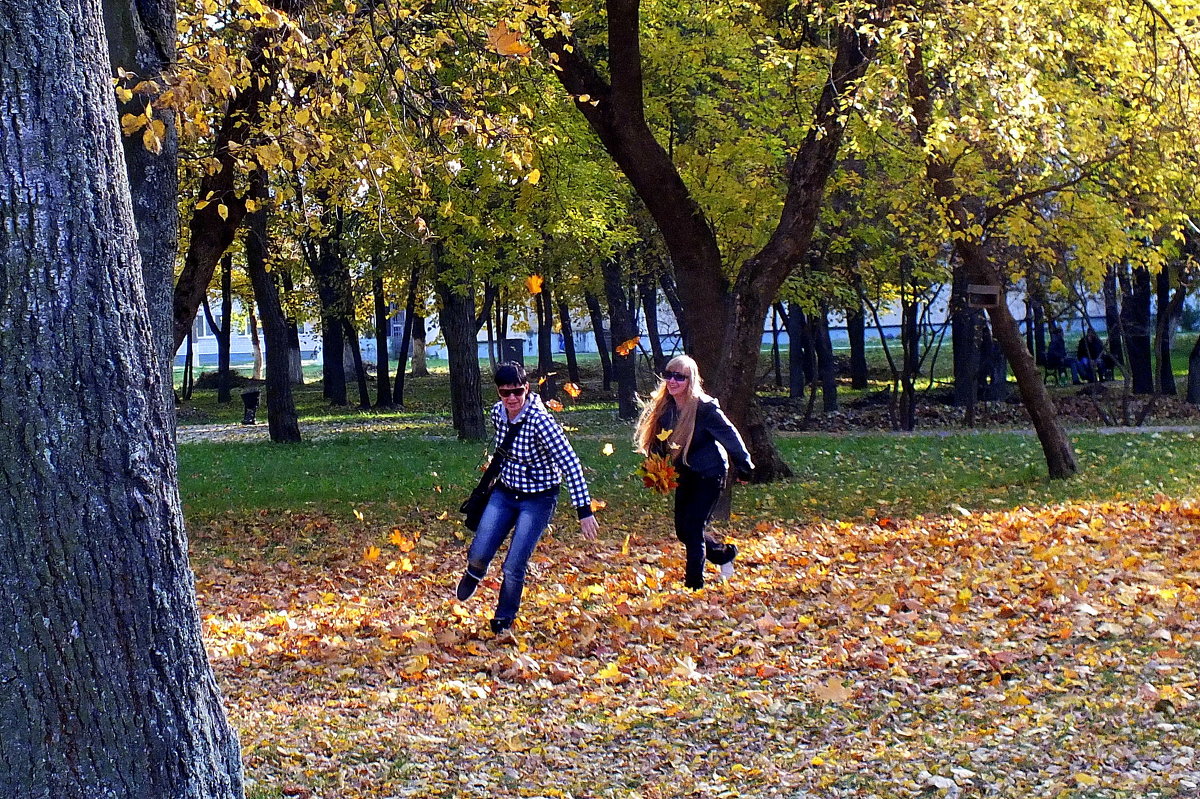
(977,268)
(282,421)
(141,40)
(107,689)
(725,328)
(212,227)
(602,346)
(457,320)
(1135,327)
(624,328)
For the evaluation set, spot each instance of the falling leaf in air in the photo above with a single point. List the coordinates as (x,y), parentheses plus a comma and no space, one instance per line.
(572,390)
(626,347)
(663,435)
(507,42)
(554,405)
(607,449)
(598,504)
(534,284)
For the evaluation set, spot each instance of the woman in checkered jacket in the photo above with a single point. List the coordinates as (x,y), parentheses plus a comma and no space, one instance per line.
(526,492)
(688,426)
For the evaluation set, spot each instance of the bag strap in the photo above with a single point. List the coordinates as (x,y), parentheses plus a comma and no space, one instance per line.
(501,454)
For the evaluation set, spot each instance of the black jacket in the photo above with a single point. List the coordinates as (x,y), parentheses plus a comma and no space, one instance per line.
(714,442)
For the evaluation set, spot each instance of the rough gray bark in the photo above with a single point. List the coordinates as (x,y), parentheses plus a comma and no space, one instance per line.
(107,689)
(141,39)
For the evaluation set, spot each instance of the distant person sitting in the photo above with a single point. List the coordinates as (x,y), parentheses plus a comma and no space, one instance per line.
(1057,359)
(1094,363)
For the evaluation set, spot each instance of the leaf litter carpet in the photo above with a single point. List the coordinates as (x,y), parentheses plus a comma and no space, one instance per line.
(1046,652)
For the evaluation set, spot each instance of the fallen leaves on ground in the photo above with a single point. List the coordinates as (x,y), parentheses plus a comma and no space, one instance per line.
(1046,652)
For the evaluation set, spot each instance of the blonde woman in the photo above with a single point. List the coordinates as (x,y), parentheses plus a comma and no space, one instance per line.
(686,425)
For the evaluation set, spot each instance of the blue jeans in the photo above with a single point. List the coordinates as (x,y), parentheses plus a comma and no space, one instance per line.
(526,518)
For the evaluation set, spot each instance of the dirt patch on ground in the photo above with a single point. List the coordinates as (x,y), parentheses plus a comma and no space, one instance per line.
(1086,406)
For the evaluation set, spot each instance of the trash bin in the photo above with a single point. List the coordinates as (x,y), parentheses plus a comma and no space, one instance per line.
(249,406)
(512,349)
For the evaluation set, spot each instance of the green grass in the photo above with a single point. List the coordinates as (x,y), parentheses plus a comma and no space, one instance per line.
(837,477)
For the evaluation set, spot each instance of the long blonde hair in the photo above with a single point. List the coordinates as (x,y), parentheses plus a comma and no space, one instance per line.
(645,436)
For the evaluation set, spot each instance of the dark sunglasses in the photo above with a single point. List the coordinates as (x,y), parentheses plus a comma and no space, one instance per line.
(679,377)
(511,392)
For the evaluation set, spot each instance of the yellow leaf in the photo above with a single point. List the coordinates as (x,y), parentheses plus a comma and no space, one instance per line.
(303,116)
(625,546)
(573,390)
(626,347)
(152,141)
(554,405)
(371,553)
(534,176)
(598,504)
(416,665)
(358,514)
(507,42)
(130,123)
(607,449)
(223,211)
(663,435)
(1085,779)
(534,284)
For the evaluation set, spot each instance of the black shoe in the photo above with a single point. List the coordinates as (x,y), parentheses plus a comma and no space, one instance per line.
(500,625)
(466,586)
(727,566)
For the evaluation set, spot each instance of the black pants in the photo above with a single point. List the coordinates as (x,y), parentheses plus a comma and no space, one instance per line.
(694,502)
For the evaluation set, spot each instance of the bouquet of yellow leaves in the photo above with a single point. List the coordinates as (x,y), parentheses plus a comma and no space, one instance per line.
(658,474)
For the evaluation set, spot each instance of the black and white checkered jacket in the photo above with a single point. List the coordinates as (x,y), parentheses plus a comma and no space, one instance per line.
(541,456)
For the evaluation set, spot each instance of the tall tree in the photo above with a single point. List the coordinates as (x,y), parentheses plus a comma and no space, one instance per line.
(724,318)
(141,46)
(108,691)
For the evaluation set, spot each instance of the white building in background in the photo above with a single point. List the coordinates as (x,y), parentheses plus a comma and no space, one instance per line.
(204,342)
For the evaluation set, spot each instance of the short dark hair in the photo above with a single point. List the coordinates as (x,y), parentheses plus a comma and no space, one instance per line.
(510,373)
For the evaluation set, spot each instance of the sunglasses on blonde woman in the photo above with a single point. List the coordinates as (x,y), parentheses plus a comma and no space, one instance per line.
(678,377)
(511,392)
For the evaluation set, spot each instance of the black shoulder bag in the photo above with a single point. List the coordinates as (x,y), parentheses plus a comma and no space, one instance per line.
(473,507)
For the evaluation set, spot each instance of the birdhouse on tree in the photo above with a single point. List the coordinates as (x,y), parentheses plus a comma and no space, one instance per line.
(980,295)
